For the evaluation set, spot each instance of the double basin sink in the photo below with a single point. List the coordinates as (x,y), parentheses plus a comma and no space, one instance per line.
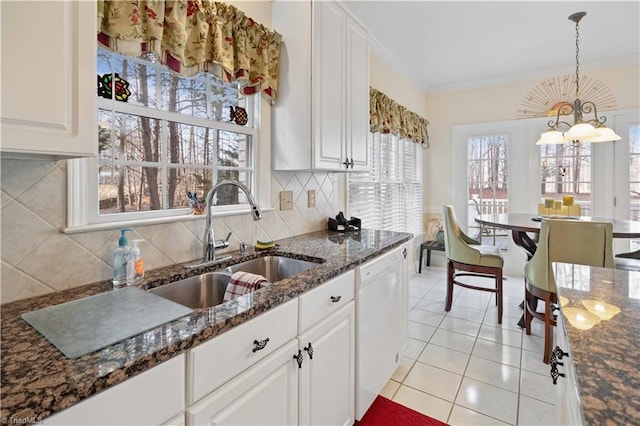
(207,290)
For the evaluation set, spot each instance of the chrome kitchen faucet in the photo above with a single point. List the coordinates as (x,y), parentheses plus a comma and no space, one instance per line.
(209,243)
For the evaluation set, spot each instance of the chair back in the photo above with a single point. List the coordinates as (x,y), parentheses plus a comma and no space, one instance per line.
(456,242)
(569,241)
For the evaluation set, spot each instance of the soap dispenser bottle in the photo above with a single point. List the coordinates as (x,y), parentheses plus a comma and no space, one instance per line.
(135,265)
(120,259)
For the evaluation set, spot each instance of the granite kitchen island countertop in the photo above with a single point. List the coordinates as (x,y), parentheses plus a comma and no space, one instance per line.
(605,356)
(38,380)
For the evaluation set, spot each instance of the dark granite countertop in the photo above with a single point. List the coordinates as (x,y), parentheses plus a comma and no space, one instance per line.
(38,380)
(605,357)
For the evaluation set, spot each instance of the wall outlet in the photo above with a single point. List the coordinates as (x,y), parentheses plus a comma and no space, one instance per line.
(311,198)
(286,200)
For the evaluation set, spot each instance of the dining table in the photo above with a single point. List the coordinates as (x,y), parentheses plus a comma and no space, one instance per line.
(523,224)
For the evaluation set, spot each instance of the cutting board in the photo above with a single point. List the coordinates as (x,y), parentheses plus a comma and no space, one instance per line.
(85,325)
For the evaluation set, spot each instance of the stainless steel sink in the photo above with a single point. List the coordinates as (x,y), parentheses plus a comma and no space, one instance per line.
(273,268)
(202,291)
(207,290)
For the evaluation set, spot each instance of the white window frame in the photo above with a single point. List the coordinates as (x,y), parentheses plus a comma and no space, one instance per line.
(82,183)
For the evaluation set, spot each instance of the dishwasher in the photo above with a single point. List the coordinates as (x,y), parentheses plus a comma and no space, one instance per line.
(381,324)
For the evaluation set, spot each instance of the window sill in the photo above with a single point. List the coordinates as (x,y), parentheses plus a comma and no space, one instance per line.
(153,221)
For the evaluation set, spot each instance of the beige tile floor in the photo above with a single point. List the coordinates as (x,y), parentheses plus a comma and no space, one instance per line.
(463,368)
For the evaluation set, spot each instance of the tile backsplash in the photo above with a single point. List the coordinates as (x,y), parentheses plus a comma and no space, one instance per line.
(37,258)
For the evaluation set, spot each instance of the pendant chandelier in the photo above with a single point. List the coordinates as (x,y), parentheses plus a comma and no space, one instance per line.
(589,130)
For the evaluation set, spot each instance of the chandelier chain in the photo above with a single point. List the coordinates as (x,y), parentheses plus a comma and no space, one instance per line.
(577,60)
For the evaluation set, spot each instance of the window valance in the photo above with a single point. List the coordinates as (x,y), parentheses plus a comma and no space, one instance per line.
(387,116)
(194,36)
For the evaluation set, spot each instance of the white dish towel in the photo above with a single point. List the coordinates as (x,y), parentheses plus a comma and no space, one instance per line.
(242,283)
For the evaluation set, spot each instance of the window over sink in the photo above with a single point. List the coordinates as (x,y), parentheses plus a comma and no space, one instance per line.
(161,136)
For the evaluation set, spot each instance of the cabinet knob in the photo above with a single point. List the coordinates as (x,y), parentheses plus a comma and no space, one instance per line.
(299,358)
(260,344)
(335,299)
(309,350)
(404,252)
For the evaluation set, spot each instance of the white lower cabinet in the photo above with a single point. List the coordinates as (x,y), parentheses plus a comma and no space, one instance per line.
(151,398)
(308,380)
(327,374)
(569,411)
(265,394)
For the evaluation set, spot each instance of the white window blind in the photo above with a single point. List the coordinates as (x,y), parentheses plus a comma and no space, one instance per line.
(389,196)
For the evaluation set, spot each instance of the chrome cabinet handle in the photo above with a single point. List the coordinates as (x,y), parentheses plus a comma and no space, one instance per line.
(335,299)
(299,358)
(309,350)
(260,344)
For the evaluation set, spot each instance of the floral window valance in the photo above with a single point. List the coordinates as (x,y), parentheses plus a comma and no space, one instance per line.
(194,36)
(387,116)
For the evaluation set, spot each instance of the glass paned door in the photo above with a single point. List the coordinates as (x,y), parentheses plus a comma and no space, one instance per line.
(627,173)
(488,193)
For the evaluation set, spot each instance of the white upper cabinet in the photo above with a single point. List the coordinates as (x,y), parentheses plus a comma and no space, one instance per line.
(48,79)
(321,116)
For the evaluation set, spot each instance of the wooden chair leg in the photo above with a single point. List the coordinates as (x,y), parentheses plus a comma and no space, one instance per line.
(420,265)
(450,271)
(499,295)
(527,314)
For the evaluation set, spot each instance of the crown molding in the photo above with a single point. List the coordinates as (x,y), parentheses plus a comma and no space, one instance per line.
(602,64)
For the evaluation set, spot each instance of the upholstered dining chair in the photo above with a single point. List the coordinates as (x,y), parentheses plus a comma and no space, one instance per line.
(629,261)
(467,257)
(568,241)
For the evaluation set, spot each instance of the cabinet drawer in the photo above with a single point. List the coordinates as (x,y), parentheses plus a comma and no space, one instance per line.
(153,397)
(326,299)
(215,362)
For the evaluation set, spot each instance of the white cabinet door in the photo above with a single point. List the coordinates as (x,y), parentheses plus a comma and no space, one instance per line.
(327,377)
(151,398)
(329,44)
(48,78)
(357,119)
(265,394)
(321,118)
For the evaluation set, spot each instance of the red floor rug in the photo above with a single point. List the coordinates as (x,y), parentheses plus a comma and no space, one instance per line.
(384,412)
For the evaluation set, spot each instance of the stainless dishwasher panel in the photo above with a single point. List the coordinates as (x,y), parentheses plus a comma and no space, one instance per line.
(379,328)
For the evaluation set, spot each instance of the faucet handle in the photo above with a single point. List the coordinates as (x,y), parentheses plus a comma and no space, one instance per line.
(219,244)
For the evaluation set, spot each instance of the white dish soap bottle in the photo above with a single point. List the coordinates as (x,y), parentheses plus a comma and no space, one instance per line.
(135,266)
(120,259)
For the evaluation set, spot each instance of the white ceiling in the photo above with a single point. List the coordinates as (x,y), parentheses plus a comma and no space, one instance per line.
(452,45)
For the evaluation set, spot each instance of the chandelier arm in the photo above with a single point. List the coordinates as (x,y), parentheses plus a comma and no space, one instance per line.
(563,110)
(587,108)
